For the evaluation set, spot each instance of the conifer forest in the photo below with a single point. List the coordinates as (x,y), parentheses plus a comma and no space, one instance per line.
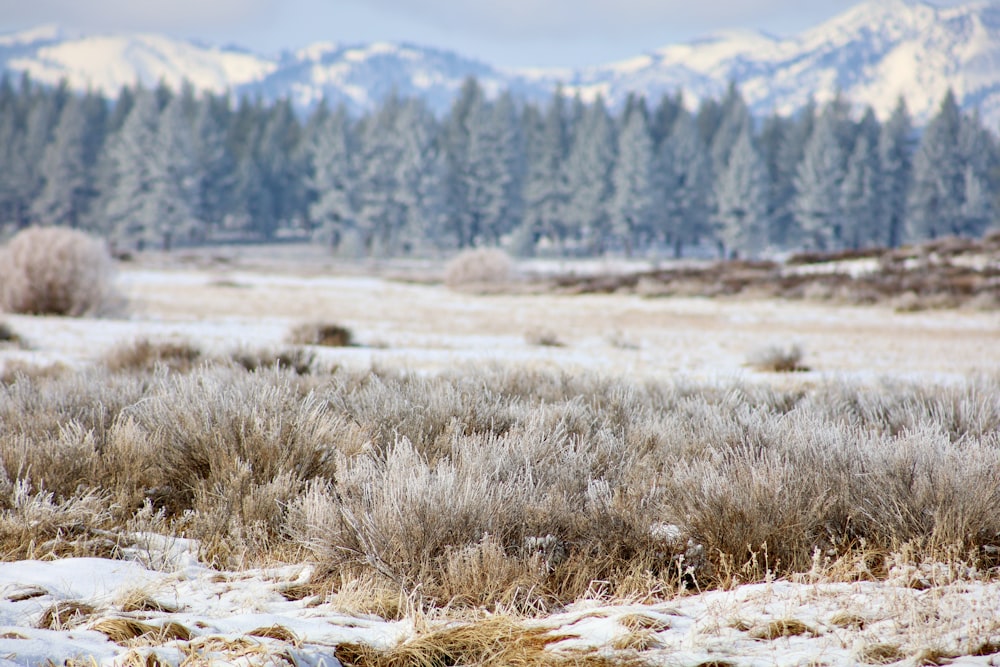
(159,168)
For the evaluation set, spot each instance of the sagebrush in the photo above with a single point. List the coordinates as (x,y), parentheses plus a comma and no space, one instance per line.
(57,271)
(501,487)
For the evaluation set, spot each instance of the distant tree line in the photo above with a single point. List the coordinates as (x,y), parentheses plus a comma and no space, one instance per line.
(158,168)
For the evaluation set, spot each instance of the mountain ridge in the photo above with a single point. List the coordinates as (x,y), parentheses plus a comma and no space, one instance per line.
(872,53)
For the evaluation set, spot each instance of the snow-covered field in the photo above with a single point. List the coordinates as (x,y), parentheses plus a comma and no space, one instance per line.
(427,327)
(914,617)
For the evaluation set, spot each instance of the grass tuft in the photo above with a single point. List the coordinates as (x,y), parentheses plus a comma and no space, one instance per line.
(777,359)
(325,334)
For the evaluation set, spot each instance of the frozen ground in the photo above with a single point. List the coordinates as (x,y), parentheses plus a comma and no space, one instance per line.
(427,327)
(201,616)
(912,618)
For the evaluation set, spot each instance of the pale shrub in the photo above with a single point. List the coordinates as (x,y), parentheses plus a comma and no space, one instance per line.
(57,271)
(478,268)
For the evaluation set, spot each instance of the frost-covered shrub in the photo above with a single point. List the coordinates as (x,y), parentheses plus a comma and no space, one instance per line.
(57,271)
(777,359)
(477,268)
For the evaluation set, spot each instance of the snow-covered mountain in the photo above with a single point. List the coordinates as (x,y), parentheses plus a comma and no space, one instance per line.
(873,53)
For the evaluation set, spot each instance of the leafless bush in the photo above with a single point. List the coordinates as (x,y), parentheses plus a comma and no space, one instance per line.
(543,338)
(777,359)
(475,269)
(297,359)
(8,335)
(320,333)
(57,271)
(145,355)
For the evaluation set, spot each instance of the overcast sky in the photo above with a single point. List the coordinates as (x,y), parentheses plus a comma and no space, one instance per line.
(501,32)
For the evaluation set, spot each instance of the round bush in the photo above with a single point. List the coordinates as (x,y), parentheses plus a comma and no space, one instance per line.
(482,266)
(57,271)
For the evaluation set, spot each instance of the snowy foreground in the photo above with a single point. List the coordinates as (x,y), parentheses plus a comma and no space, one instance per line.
(195,614)
(160,600)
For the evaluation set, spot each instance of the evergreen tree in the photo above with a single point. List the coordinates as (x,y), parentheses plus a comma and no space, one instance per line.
(588,174)
(684,182)
(215,164)
(333,178)
(546,193)
(741,199)
(818,182)
(785,231)
(67,189)
(632,206)
(938,190)
(733,122)
(861,196)
(895,150)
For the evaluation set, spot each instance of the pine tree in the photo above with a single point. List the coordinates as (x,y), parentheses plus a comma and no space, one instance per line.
(333,179)
(684,182)
(895,150)
(785,230)
(588,175)
(734,119)
(546,193)
(215,163)
(938,177)
(67,189)
(741,199)
(632,206)
(861,196)
(818,182)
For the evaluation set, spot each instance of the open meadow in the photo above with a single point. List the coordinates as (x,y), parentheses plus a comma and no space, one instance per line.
(269,457)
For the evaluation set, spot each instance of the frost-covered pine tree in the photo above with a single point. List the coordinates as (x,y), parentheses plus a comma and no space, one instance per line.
(935,203)
(788,156)
(416,129)
(818,180)
(588,174)
(735,117)
(895,150)
(632,208)
(684,182)
(215,163)
(333,179)
(861,196)
(131,151)
(173,197)
(67,188)
(741,200)
(545,190)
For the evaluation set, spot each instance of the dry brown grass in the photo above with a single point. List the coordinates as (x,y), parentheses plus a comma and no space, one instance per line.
(521,488)
(327,334)
(493,641)
(145,355)
(946,273)
(57,271)
(66,614)
(778,359)
(782,627)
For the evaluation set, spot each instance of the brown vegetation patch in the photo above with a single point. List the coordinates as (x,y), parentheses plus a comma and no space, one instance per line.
(782,627)
(278,632)
(495,641)
(946,273)
(145,355)
(325,334)
(880,654)
(65,614)
(125,630)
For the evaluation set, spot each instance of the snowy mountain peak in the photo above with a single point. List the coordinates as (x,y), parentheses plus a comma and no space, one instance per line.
(872,53)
